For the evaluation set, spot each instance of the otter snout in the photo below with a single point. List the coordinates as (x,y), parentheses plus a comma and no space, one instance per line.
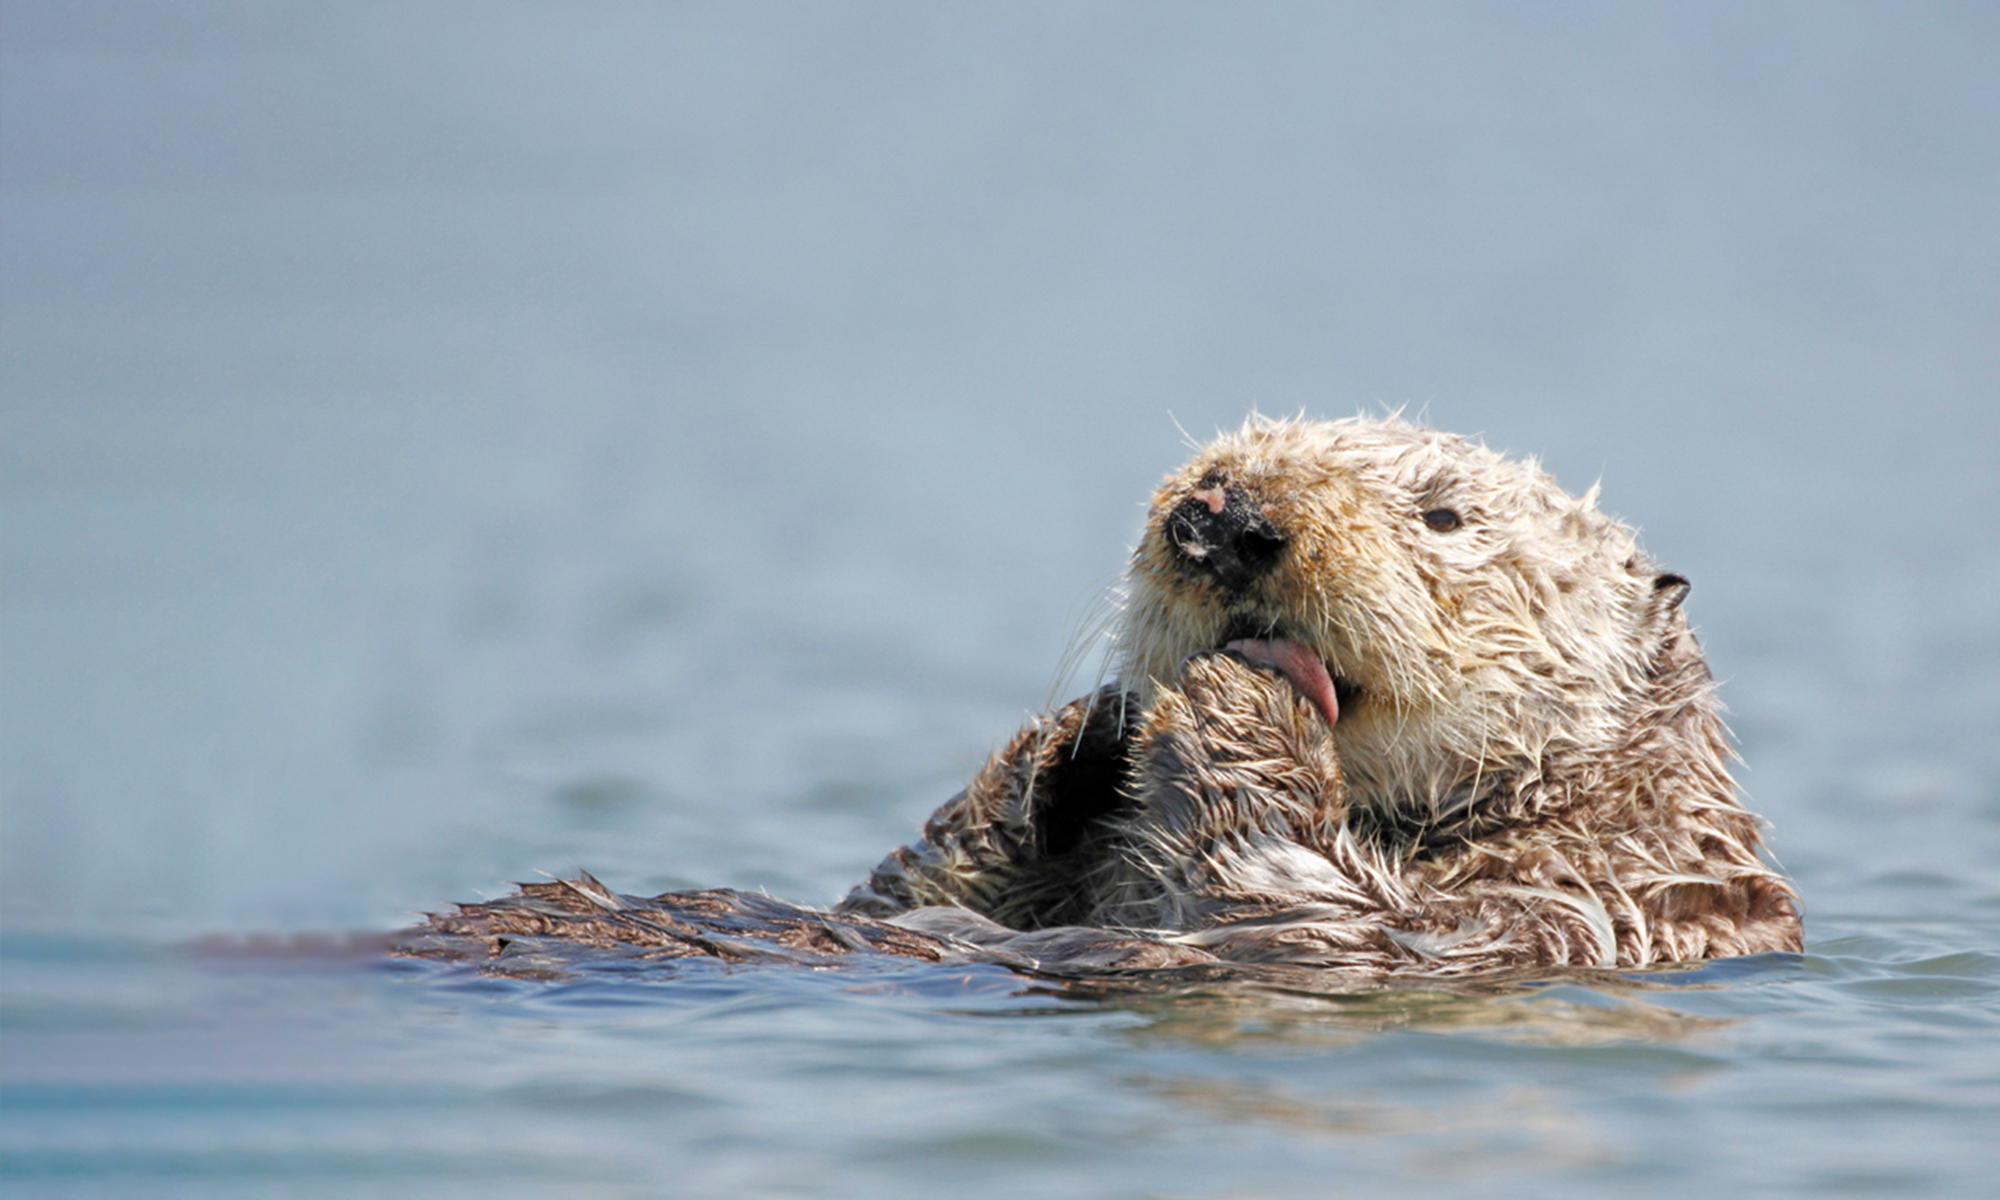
(1222,533)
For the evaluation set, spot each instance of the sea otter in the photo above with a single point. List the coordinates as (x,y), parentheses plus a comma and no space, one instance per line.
(1385,701)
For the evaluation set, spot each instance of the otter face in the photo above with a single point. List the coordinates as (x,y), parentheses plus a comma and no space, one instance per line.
(1454,614)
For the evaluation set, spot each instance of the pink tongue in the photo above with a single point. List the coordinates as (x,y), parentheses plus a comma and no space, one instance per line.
(1298,664)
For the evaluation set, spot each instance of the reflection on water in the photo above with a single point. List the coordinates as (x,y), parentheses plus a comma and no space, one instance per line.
(1520,1130)
(1531,1013)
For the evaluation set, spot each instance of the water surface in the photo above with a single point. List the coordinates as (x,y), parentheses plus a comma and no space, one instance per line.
(439,448)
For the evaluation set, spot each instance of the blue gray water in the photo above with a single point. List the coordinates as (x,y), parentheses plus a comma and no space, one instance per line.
(441,445)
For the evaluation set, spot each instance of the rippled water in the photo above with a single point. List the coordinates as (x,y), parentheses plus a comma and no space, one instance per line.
(681,443)
(1865,1067)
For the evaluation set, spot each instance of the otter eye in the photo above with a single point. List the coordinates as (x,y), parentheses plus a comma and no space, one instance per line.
(1443,520)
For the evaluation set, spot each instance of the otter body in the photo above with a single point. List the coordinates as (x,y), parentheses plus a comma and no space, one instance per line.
(1386,702)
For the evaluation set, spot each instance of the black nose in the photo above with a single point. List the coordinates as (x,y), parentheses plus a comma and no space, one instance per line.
(1224,534)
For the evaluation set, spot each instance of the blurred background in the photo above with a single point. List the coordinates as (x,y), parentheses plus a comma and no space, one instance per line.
(444,443)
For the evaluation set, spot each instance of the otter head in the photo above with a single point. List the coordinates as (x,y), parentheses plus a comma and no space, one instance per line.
(1458,617)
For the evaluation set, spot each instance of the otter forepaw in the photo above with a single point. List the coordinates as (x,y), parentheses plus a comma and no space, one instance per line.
(1238,710)
(1011,845)
(1230,727)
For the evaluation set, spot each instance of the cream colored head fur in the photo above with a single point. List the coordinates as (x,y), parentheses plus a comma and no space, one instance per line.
(1480,620)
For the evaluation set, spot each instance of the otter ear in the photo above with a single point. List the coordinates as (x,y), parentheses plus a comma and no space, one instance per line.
(1676,647)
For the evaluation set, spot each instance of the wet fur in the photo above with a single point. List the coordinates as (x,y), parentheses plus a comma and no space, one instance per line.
(1528,770)
(1533,772)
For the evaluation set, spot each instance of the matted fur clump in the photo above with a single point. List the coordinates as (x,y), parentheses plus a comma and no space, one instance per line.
(1386,702)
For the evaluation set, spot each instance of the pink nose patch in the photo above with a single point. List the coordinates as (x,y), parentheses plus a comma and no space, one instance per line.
(1298,664)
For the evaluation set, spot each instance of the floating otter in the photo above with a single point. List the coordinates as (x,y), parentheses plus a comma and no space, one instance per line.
(1386,702)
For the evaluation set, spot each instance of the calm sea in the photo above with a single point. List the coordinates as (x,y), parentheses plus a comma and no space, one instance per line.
(442,445)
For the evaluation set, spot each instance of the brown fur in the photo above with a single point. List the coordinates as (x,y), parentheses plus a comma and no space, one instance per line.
(1528,767)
